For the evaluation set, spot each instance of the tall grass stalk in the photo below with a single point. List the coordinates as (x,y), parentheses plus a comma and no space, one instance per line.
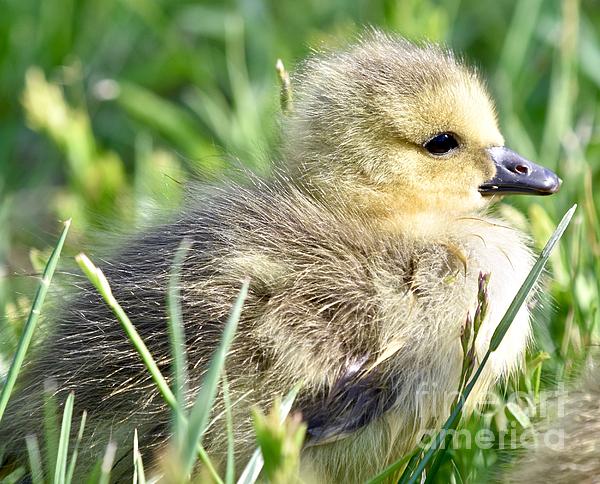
(202,407)
(51,432)
(139,476)
(73,462)
(198,419)
(176,333)
(60,471)
(107,463)
(434,450)
(97,278)
(230,466)
(497,337)
(32,320)
(35,460)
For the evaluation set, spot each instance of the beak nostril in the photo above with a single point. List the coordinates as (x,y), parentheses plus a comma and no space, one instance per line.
(522,169)
(515,174)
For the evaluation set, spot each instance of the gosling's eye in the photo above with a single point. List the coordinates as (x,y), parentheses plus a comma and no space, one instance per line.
(441,144)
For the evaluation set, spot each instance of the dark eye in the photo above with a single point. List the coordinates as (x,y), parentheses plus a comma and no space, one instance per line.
(441,144)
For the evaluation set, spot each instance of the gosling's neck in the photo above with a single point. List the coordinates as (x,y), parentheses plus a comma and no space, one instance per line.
(432,218)
(423,216)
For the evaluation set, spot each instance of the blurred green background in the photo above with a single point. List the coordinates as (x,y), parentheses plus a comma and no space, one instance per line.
(107,107)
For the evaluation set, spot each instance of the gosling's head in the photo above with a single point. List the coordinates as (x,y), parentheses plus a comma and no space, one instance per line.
(398,130)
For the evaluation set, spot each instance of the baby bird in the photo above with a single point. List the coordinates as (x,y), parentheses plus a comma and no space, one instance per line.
(363,253)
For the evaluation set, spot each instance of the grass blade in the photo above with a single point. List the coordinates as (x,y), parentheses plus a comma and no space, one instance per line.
(15,477)
(255,464)
(497,337)
(201,411)
(60,471)
(177,337)
(107,463)
(230,468)
(532,277)
(35,460)
(518,38)
(100,282)
(171,121)
(51,433)
(139,476)
(32,319)
(73,462)
(97,278)
(396,467)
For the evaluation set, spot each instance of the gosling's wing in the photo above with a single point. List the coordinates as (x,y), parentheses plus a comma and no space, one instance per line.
(356,399)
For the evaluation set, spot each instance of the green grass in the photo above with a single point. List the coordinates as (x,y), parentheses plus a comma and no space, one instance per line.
(30,325)
(157,93)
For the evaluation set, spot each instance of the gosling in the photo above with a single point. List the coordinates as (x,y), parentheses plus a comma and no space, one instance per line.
(363,254)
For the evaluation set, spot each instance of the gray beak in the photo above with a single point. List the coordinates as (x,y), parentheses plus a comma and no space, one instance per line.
(515,174)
